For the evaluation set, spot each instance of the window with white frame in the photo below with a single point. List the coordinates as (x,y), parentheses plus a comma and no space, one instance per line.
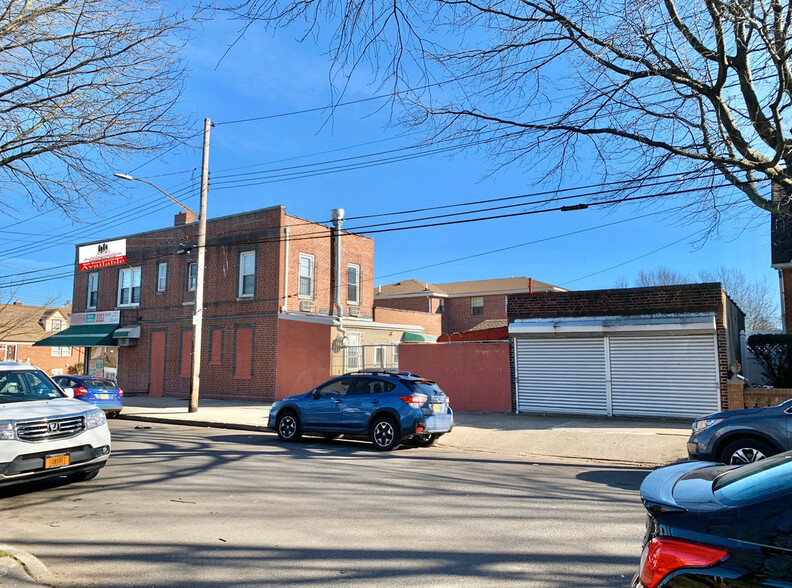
(353,283)
(477,305)
(56,325)
(247,274)
(61,351)
(192,276)
(353,352)
(93,290)
(162,276)
(306,287)
(129,287)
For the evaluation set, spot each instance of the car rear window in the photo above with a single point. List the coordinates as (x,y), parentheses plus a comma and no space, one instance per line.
(97,383)
(423,387)
(766,479)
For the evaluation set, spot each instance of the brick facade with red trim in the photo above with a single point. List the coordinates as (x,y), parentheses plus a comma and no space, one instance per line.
(249,325)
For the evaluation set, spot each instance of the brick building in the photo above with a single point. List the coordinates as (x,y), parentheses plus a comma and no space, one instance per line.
(464,306)
(271,326)
(21,327)
(658,351)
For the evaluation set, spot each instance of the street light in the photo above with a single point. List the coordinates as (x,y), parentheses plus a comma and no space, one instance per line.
(199,277)
(128,177)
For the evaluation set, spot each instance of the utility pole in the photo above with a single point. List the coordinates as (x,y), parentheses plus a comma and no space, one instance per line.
(199,276)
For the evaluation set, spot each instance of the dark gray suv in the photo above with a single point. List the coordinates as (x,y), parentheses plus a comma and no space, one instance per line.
(742,436)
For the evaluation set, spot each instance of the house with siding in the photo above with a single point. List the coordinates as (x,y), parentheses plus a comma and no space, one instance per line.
(275,322)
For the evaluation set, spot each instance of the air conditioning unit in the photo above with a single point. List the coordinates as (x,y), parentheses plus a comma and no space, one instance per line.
(127,341)
(306,305)
(354,311)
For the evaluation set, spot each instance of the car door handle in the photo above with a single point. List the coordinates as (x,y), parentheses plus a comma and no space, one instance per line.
(337,400)
(375,401)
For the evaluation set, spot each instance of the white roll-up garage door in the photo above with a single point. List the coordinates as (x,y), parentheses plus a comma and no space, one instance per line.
(664,375)
(561,375)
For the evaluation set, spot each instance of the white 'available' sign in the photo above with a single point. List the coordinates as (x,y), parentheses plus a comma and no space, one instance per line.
(101,255)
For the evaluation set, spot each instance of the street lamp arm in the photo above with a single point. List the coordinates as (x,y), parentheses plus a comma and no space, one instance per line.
(179,204)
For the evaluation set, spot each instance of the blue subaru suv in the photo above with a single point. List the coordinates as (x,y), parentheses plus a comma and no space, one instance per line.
(389,407)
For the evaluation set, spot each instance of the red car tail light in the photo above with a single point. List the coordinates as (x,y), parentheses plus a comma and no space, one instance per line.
(415,400)
(120,392)
(80,391)
(663,556)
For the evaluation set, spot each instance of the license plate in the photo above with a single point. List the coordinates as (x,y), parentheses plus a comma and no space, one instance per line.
(437,408)
(103,396)
(56,461)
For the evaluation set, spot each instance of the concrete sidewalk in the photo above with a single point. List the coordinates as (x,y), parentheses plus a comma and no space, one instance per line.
(643,442)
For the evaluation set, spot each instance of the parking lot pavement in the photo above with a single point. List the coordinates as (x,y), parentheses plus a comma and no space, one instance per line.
(651,442)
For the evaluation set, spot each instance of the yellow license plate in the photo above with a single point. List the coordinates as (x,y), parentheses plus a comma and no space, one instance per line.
(437,408)
(103,396)
(56,461)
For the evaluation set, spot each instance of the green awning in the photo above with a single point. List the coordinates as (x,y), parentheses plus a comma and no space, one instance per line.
(81,336)
(418,338)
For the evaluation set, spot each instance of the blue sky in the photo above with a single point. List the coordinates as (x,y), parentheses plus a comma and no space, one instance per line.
(267,74)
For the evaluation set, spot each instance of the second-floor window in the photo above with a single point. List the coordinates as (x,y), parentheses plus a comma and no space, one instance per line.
(192,276)
(93,290)
(56,325)
(306,275)
(247,274)
(129,287)
(441,305)
(353,283)
(162,276)
(477,305)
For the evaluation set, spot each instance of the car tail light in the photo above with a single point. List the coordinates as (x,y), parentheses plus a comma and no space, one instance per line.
(447,400)
(415,400)
(80,391)
(120,392)
(663,556)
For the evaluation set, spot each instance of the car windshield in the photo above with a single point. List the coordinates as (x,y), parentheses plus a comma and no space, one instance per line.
(768,479)
(423,387)
(99,383)
(26,385)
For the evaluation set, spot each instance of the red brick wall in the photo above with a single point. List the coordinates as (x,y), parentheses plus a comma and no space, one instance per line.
(432,323)
(42,357)
(678,299)
(303,356)
(457,316)
(416,304)
(474,375)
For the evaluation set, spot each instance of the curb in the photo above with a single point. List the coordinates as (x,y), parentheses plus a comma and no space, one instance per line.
(195,423)
(31,564)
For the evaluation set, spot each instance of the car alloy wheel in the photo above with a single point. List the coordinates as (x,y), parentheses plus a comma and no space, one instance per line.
(288,427)
(746,455)
(384,434)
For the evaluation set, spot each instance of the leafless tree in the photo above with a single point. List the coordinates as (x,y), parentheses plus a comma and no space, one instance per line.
(702,86)
(82,83)
(754,297)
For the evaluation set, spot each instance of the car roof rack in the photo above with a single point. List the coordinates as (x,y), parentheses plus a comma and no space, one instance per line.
(384,372)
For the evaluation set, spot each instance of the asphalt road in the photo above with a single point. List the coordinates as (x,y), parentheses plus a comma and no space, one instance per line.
(182,506)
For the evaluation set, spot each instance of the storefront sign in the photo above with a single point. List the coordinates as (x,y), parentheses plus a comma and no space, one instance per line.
(99,255)
(96,368)
(110,317)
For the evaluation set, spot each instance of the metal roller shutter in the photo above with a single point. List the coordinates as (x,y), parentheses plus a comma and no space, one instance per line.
(664,375)
(561,375)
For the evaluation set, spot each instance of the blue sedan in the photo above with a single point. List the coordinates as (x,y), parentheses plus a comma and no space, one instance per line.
(389,407)
(101,392)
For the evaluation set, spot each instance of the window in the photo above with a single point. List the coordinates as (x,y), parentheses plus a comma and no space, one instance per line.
(353,283)
(93,290)
(336,387)
(61,351)
(373,386)
(441,305)
(56,325)
(162,276)
(354,351)
(477,305)
(192,276)
(247,274)
(306,276)
(129,287)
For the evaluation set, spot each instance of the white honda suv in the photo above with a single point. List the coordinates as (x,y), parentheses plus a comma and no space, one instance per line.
(44,433)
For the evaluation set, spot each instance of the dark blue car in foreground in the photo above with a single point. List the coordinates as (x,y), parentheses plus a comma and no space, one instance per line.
(101,392)
(387,406)
(711,525)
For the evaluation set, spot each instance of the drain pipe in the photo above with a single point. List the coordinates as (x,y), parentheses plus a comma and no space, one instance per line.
(285,305)
(337,214)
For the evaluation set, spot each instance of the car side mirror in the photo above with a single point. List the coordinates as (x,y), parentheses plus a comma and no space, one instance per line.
(68,392)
